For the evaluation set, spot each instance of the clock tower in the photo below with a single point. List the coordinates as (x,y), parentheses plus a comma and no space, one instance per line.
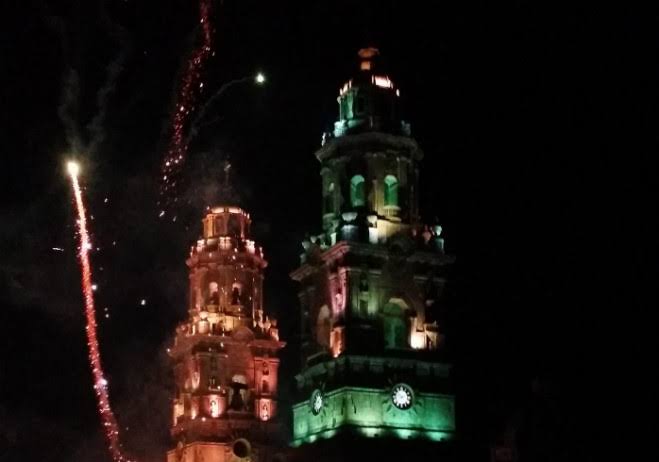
(370,289)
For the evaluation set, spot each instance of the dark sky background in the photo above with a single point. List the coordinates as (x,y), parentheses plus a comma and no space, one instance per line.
(529,117)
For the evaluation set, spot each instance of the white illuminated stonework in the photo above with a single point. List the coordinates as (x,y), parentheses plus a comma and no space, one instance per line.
(401,396)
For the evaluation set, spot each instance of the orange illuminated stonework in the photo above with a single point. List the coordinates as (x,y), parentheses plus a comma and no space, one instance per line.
(225,354)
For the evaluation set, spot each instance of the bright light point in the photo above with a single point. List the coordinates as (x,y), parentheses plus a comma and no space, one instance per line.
(143,302)
(260,78)
(73,168)
(94,287)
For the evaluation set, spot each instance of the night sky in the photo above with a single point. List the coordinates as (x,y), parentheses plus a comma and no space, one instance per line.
(529,117)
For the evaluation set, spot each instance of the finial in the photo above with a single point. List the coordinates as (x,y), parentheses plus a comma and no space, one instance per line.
(367,55)
(369,52)
(227,192)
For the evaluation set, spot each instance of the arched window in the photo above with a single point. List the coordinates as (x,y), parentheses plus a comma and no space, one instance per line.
(394,332)
(394,325)
(357,193)
(265,411)
(214,408)
(236,292)
(214,298)
(238,392)
(390,190)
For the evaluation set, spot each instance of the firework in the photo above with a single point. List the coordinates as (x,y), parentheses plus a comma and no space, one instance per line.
(191,86)
(195,125)
(100,383)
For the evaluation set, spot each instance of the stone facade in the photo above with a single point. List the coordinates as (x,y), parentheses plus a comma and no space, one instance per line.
(371,284)
(225,354)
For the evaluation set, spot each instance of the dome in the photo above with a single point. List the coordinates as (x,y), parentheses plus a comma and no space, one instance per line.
(369,101)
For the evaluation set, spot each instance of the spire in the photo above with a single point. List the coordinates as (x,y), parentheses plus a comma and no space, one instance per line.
(227,194)
(367,57)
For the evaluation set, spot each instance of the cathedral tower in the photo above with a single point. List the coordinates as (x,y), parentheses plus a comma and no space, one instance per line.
(225,353)
(371,287)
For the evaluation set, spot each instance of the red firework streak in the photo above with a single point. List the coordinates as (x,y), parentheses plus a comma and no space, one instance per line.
(191,86)
(100,384)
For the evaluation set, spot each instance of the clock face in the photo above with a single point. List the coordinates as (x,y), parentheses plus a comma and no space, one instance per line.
(316,402)
(401,396)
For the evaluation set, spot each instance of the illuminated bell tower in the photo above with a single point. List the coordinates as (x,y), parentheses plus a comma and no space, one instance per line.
(225,353)
(371,288)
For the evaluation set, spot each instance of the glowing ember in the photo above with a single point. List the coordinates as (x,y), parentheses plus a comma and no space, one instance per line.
(187,95)
(100,387)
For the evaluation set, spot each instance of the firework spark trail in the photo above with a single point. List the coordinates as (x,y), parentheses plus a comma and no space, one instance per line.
(70,92)
(100,383)
(96,127)
(195,124)
(191,87)
(68,107)
(90,137)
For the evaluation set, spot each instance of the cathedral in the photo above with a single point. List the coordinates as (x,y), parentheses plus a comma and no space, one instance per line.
(374,378)
(225,355)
